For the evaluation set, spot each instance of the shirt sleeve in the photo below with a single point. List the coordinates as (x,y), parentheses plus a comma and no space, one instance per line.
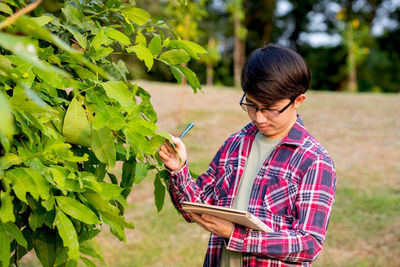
(304,243)
(182,187)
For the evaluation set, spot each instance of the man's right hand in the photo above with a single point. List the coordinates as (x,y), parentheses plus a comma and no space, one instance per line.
(170,158)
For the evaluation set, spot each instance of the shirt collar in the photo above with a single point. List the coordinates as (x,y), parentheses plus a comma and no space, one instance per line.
(295,136)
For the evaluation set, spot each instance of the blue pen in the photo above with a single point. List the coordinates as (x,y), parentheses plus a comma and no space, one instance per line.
(187,129)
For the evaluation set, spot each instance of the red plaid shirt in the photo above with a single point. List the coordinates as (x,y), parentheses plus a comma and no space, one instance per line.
(293,194)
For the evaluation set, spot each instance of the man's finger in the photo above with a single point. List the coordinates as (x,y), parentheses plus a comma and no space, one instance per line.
(163,155)
(177,142)
(197,218)
(164,149)
(169,147)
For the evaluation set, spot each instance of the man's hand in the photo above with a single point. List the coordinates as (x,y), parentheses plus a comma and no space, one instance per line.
(170,158)
(214,224)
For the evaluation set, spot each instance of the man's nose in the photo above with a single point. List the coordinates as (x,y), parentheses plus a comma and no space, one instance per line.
(260,117)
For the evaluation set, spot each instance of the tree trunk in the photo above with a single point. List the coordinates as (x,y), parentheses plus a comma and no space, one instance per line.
(238,55)
(351,61)
(210,66)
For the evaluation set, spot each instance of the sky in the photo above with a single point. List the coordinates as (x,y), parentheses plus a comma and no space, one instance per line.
(321,38)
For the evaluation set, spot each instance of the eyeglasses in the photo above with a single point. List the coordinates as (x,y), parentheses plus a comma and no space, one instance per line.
(271,113)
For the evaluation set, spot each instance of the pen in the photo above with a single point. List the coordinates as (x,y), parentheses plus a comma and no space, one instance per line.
(187,129)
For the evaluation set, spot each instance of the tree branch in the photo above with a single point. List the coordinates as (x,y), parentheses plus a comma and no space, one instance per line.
(18,14)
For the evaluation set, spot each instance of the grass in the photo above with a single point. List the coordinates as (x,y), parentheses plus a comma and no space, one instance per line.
(360,131)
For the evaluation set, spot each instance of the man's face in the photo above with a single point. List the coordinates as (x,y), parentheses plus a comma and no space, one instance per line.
(270,125)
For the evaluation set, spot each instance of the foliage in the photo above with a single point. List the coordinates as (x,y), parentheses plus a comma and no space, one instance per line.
(68,115)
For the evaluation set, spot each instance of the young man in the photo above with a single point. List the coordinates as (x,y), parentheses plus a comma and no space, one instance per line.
(273,168)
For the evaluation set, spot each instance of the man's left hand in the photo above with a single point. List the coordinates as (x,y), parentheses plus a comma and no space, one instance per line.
(213,224)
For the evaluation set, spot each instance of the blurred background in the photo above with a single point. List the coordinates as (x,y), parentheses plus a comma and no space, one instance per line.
(350,45)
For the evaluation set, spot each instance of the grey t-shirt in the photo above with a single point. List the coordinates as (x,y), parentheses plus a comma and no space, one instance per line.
(260,150)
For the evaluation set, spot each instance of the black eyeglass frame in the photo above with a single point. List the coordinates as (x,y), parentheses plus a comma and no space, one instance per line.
(243,105)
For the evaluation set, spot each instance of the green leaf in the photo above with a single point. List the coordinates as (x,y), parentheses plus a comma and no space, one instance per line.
(190,47)
(165,135)
(5,143)
(118,91)
(84,73)
(116,230)
(62,256)
(72,263)
(43,20)
(91,248)
(164,176)
(140,38)
(157,141)
(103,146)
(138,142)
(4,247)
(22,184)
(9,160)
(76,127)
(6,9)
(88,262)
(102,52)
(41,183)
(155,46)
(190,76)
(121,68)
(73,15)
(6,208)
(143,127)
(78,36)
(99,40)
(49,203)
(137,15)
(175,56)
(99,202)
(110,117)
(76,210)
(128,175)
(159,193)
(107,210)
(7,118)
(140,171)
(36,218)
(118,36)
(90,181)
(117,219)
(147,108)
(101,171)
(143,53)
(44,243)
(110,191)
(68,234)
(177,74)
(15,232)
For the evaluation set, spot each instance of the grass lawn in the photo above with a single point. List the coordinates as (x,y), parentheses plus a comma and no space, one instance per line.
(361,133)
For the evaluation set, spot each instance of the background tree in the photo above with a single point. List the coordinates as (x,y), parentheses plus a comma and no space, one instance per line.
(310,27)
(235,8)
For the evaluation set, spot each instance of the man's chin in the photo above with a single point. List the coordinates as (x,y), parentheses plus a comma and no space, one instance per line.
(267,132)
(266,129)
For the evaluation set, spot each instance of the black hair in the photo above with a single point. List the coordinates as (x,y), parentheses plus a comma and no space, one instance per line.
(274,73)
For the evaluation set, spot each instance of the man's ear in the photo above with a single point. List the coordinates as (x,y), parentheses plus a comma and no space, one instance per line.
(299,100)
